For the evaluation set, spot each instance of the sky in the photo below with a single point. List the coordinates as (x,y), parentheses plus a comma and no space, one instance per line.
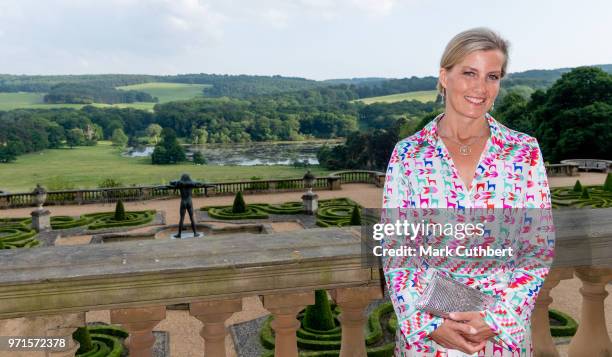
(316,39)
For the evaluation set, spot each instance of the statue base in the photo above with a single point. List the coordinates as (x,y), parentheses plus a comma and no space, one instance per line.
(41,220)
(310,201)
(187,235)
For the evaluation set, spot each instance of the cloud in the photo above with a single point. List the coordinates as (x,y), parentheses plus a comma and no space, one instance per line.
(375,7)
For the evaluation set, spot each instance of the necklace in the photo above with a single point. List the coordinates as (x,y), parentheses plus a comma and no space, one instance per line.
(464,148)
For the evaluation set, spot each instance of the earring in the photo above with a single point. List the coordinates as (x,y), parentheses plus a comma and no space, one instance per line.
(443,95)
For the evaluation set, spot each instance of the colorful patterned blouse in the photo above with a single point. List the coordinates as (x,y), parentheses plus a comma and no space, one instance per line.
(510,176)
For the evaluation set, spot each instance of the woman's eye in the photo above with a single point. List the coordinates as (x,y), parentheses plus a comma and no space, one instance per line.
(494,77)
(468,73)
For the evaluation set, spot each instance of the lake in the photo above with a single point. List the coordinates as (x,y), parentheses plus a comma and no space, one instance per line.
(253,153)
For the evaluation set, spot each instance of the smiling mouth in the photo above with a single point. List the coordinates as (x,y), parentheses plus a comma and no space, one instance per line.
(475,100)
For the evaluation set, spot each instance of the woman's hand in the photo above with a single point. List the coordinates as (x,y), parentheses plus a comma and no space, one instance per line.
(473,319)
(451,334)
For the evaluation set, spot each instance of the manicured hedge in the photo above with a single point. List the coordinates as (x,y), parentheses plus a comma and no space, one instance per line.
(568,325)
(106,340)
(107,219)
(328,343)
(17,236)
(226,213)
(588,196)
(65,222)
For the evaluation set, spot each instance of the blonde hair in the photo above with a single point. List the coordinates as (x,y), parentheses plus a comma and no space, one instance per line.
(466,42)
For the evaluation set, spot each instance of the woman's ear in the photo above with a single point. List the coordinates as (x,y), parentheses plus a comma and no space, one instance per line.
(443,73)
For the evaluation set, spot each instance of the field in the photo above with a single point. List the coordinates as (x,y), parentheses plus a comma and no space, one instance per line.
(164,91)
(422,96)
(168,92)
(86,167)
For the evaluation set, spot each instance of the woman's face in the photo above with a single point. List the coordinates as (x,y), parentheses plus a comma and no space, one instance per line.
(472,84)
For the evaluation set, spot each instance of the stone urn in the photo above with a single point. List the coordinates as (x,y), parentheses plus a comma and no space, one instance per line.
(40,196)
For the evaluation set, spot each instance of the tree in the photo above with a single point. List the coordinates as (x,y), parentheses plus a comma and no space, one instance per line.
(577,186)
(573,119)
(75,137)
(199,136)
(168,150)
(119,138)
(8,152)
(153,132)
(198,158)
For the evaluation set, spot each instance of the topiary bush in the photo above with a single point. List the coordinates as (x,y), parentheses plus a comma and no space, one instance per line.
(84,338)
(319,316)
(355,217)
(608,184)
(577,186)
(239,205)
(119,211)
(585,193)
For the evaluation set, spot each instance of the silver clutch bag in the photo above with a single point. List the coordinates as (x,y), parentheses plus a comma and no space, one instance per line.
(444,295)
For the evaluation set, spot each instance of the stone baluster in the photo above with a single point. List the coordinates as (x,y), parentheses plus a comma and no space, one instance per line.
(285,307)
(213,315)
(139,322)
(592,337)
(50,326)
(353,302)
(64,326)
(543,343)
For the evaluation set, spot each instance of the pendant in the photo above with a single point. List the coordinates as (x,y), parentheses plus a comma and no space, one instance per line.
(464,150)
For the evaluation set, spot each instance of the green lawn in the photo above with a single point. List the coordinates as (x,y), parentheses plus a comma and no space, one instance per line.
(86,167)
(165,92)
(27,100)
(168,92)
(422,96)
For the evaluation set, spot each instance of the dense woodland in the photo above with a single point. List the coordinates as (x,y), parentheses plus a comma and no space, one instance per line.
(571,116)
(84,93)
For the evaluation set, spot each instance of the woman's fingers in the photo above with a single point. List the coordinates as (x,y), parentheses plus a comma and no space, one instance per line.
(465,316)
(462,328)
(471,348)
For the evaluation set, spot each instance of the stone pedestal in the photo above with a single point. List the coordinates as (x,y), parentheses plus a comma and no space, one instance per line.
(41,220)
(333,182)
(311,202)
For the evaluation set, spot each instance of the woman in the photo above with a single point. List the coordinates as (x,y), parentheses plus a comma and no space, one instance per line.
(465,159)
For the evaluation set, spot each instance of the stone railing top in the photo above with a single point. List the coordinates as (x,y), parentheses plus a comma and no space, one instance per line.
(233,251)
(569,161)
(92,277)
(335,173)
(80,278)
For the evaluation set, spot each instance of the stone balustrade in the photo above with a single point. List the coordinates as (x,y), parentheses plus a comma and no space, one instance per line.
(46,291)
(332,182)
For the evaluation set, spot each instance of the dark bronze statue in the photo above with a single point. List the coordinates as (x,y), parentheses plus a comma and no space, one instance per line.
(186,186)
